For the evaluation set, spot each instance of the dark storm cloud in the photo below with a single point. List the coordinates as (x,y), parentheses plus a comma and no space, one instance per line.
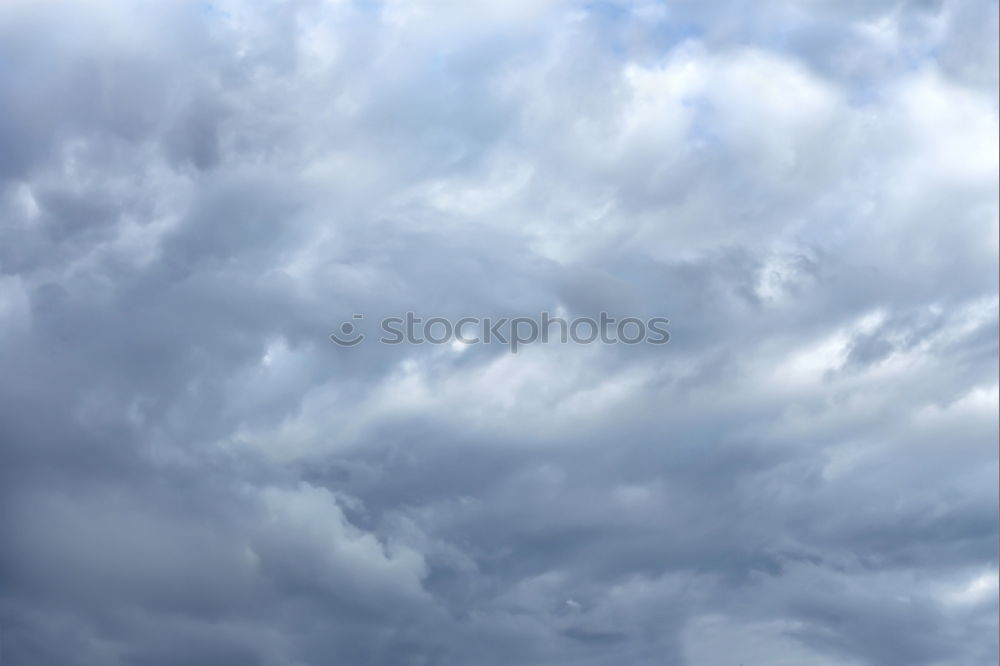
(194,195)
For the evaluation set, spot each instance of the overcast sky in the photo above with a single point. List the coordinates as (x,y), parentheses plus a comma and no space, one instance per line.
(194,195)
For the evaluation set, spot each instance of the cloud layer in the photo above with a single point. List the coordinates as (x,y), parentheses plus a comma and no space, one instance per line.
(194,195)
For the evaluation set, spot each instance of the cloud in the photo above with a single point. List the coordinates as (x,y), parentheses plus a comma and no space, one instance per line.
(194,195)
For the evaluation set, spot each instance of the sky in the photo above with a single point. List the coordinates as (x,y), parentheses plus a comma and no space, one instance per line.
(195,195)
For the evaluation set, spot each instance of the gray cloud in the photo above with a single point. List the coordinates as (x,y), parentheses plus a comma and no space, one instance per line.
(194,195)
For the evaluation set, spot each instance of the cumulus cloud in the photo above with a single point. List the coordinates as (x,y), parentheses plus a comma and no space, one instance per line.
(193,195)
